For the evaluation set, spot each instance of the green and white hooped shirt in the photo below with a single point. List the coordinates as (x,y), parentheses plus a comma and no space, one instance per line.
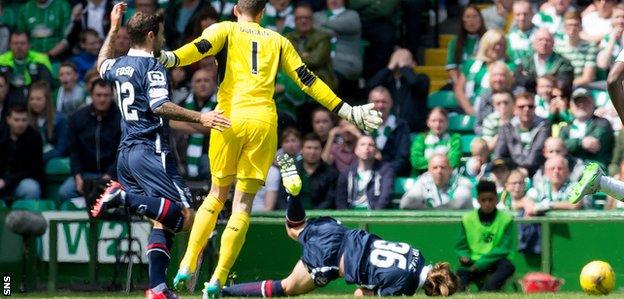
(469,51)
(519,44)
(549,19)
(271,15)
(544,195)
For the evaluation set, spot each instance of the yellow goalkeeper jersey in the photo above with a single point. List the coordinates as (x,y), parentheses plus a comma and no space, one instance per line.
(248,58)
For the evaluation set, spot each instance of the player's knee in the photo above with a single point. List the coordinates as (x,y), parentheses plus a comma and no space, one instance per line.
(250,186)
(221,186)
(189,217)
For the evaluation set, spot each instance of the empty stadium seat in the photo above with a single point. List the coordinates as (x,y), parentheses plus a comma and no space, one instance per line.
(443,98)
(444,40)
(70,206)
(34,205)
(435,56)
(434,72)
(461,123)
(58,167)
(466,141)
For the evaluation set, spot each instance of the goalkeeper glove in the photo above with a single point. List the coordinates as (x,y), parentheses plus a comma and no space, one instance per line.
(364,116)
(290,177)
(167,58)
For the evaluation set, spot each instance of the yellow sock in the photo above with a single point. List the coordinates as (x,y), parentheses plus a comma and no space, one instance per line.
(232,241)
(204,224)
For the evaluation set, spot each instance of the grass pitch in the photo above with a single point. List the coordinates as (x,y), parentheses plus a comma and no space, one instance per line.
(137,295)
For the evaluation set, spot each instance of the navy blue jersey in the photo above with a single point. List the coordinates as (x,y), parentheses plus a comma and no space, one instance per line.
(388,268)
(141,86)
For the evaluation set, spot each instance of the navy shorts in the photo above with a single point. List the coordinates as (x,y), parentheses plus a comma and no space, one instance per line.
(322,239)
(143,171)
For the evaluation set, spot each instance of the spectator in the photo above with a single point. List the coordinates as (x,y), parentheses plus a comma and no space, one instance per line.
(473,78)
(378,28)
(438,188)
(339,149)
(465,45)
(559,114)
(497,172)
(521,141)
(486,242)
(552,193)
(24,66)
(21,160)
(360,186)
(145,6)
(313,45)
(5,100)
(179,21)
(204,18)
(392,137)
(543,62)
(51,125)
(70,96)
(477,162)
(512,197)
(521,33)
(436,140)
(581,54)
(319,179)
(47,23)
(90,44)
(90,78)
(501,80)
(551,17)
(94,133)
(279,16)
(224,9)
(588,137)
(322,123)
(498,15)
(613,203)
(556,146)
(406,86)
(290,141)
(95,15)
(543,92)
(502,115)
(122,42)
(194,156)
(343,25)
(597,23)
(612,43)
(8,22)
(180,88)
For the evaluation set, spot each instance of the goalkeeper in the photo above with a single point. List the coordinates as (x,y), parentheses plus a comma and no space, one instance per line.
(248,58)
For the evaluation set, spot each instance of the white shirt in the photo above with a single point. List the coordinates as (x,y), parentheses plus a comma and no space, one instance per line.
(96,15)
(594,24)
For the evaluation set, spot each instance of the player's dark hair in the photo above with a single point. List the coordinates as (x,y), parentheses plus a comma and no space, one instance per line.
(251,7)
(141,24)
(486,186)
(312,137)
(101,83)
(441,281)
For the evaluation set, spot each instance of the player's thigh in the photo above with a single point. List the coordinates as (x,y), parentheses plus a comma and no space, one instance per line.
(149,169)
(223,152)
(124,174)
(299,281)
(258,150)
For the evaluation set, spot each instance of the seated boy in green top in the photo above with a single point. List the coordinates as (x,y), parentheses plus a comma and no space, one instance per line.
(485,243)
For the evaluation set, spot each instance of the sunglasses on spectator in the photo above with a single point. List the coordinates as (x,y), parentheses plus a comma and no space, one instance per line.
(526,106)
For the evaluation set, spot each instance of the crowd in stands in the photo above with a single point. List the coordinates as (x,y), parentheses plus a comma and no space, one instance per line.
(529,77)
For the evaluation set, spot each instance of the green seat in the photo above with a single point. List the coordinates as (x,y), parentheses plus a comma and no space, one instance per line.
(3,205)
(70,206)
(442,98)
(401,185)
(58,167)
(461,123)
(466,141)
(34,205)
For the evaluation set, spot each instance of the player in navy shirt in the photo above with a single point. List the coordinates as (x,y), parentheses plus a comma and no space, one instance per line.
(330,250)
(149,183)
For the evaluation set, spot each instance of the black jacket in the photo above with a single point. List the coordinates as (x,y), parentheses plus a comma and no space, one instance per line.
(20,159)
(174,39)
(378,190)
(318,190)
(94,141)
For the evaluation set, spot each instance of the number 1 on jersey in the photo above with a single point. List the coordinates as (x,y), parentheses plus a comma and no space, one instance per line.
(254,57)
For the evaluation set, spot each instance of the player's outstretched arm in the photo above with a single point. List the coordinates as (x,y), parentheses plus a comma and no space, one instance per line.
(614,85)
(364,117)
(208,43)
(107,51)
(213,119)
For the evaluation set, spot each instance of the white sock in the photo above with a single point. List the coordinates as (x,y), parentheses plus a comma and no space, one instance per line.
(612,187)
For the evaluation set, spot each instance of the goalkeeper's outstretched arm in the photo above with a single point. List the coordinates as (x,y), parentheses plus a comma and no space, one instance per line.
(364,117)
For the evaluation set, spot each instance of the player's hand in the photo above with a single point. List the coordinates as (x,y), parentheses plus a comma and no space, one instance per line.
(364,116)
(117,15)
(167,58)
(214,120)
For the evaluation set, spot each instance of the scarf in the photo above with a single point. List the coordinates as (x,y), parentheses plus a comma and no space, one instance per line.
(435,144)
(384,131)
(196,140)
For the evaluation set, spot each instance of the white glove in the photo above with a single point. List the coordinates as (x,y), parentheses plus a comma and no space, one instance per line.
(364,116)
(167,58)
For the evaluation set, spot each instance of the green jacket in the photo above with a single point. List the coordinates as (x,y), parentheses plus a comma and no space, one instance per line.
(371,10)
(599,128)
(424,146)
(475,237)
(557,66)
(38,67)
(317,45)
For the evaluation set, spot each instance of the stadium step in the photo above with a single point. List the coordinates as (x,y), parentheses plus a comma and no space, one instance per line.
(436,85)
(34,205)
(435,56)
(460,123)
(443,98)
(434,72)
(445,39)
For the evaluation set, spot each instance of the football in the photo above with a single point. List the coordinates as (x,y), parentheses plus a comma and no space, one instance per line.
(597,278)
